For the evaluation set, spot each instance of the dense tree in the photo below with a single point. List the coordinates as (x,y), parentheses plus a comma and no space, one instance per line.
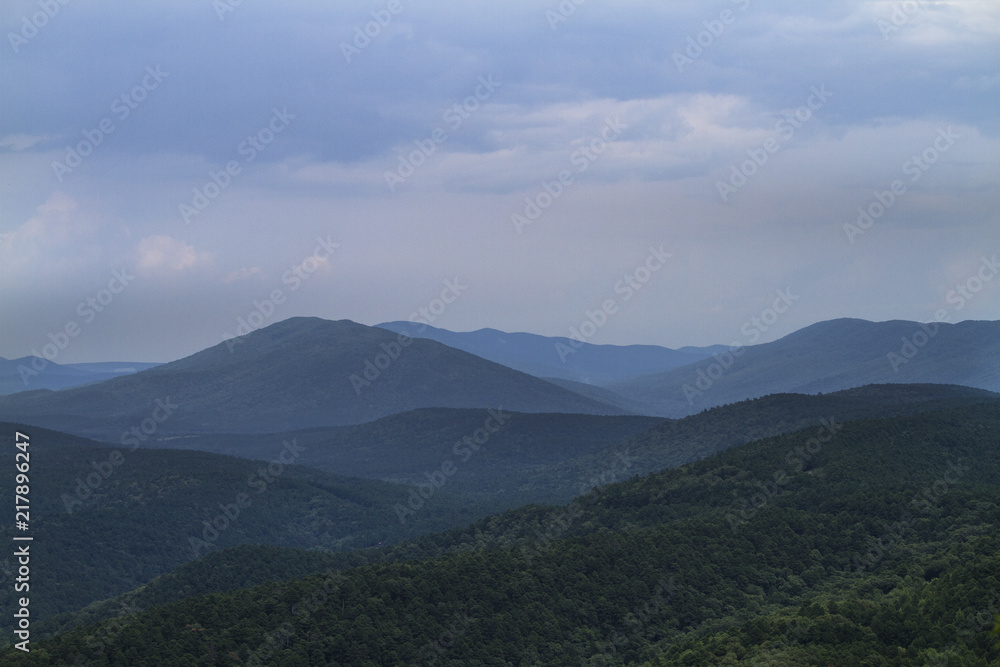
(883,551)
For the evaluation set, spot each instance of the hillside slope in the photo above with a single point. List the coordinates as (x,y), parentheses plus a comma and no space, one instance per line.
(107,520)
(825,357)
(28,373)
(551,458)
(868,518)
(559,357)
(298,373)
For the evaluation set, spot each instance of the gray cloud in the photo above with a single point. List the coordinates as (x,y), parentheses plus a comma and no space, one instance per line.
(688,125)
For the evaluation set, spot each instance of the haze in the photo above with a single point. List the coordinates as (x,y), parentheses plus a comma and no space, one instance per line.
(238,149)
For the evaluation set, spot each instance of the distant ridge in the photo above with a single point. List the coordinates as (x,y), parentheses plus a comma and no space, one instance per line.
(298,373)
(827,357)
(558,357)
(28,373)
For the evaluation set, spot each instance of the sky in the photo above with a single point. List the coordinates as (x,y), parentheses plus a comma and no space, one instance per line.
(177,172)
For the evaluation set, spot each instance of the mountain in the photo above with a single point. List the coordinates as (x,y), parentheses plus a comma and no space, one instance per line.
(298,373)
(675,442)
(106,520)
(29,373)
(558,357)
(870,542)
(825,357)
(551,458)
(489,469)
(536,458)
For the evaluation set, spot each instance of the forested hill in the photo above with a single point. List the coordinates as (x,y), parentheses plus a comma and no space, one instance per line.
(551,458)
(827,357)
(302,372)
(869,542)
(105,521)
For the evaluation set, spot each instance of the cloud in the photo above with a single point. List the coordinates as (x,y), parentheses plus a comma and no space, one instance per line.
(20,142)
(59,204)
(242,274)
(164,255)
(58,239)
(687,130)
(659,138)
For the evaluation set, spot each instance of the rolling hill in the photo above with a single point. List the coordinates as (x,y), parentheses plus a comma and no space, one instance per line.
(413,447)
(106,520)
(559,357)
(879,546)
(183,484)
(298,373)
(826,357)
(551,458)
(29,373)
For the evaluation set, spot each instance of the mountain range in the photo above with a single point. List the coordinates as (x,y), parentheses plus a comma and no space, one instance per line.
(824,357)
(113,518)
(33,372)
(105,520)
(298,373)
(551,458)
(307,373)
(875,545)
(560,357)
(206,493)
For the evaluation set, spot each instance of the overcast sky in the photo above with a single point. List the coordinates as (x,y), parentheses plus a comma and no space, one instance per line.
(173,162)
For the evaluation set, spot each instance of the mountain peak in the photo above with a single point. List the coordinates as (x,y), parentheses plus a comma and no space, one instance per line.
(301,372)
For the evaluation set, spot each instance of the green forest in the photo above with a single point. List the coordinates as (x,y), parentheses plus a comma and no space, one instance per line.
(865,542)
